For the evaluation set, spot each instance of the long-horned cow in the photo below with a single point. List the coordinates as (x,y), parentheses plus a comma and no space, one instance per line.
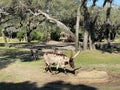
(58,59)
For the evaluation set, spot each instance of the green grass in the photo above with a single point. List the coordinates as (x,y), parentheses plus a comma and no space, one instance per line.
(86,59)
(97,57)
(6,77)
(98,60)
(4,48)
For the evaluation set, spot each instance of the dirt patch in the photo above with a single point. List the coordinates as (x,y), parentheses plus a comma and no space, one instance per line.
(53,42)
(25,73)
(93,76)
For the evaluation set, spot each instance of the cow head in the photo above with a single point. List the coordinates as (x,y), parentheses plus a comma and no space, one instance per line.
(71,63)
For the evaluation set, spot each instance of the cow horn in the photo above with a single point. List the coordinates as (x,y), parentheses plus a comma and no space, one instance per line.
(76,54)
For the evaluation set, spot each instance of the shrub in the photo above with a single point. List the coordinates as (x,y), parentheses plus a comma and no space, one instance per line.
(21,35)
(55,35)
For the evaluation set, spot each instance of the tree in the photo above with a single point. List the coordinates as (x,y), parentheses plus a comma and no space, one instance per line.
(89,24)
(8,16)
(96,27)
(108,22)
(77,29)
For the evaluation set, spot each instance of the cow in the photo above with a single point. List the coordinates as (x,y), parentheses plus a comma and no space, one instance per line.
(58,59)
(34,53)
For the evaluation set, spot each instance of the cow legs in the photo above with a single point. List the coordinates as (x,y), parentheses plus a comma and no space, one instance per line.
(56,70)
(36,55)
(65,70)
(48,68)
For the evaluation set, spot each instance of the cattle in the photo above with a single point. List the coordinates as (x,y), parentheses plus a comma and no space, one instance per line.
(34,53)
(58,59)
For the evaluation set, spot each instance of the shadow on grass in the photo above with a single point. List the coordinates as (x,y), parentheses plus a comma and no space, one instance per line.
(60,85)
(6,57)
(18,86)
(114,48)
(57,85)
(10,56)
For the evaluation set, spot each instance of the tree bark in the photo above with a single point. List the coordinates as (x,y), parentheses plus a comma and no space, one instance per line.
(28,37)
(90,42)
(86,28)
(77,30)
(28,31)
(92,31)
(5,39)
(108,22)
(85,40)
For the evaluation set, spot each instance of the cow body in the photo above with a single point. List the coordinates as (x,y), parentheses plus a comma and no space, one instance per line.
(60,60)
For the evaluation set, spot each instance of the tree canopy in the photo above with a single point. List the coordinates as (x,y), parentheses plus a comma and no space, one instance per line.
(94,23)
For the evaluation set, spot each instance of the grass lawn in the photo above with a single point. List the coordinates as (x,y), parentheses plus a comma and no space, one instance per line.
(86,59)
(19,72)
(98,60)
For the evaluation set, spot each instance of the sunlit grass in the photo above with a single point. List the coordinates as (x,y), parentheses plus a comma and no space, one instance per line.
(97,57)
(7,48)
(88,60)
(98,60)
(5,76)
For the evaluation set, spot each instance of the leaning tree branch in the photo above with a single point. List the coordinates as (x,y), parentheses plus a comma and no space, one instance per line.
(52,20)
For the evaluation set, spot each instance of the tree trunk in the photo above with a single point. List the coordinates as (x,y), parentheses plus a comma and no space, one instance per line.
(28,31)
(85,40)
(108,22)
(77,30)
(28,37)
(86,28)
(5,39)
(108,39)
(91,30)
(90,42)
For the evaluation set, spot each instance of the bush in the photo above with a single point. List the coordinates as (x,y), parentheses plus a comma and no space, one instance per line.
(33,35)
(21,35)
(37,35)
(55,35)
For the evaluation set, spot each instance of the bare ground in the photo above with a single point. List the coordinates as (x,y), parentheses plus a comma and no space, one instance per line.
(61,81)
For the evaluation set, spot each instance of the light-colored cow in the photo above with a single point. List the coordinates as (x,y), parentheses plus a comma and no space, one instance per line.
(60,60)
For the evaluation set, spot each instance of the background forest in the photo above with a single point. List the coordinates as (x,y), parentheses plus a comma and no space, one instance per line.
(91,25)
